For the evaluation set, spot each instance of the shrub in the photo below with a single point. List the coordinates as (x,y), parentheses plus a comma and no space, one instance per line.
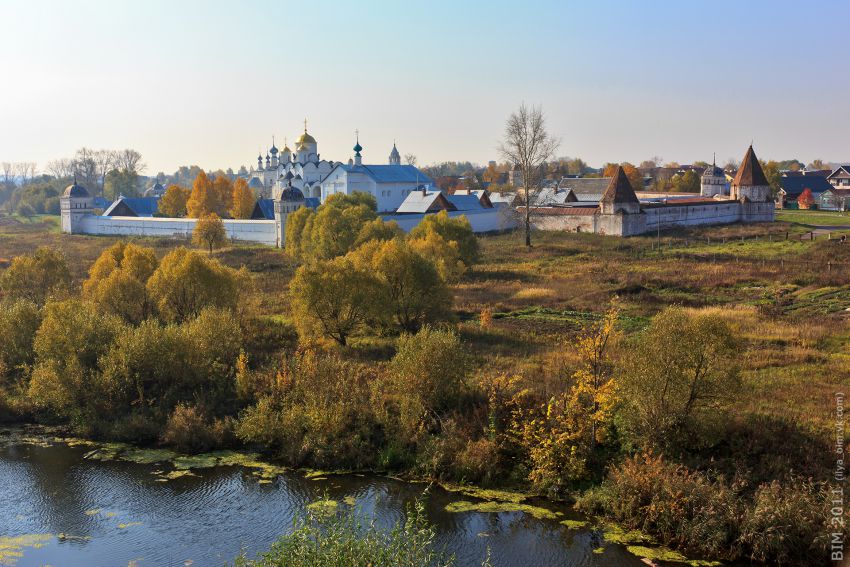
(317,414)
(19,322)
(36,276)
(433,365)
(330,540)
(189,430)
(787,524)
(683,508)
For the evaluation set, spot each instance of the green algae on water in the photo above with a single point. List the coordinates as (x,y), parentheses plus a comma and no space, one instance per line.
(575,524)
(488,493)
(12,547)
(129,525)
(350,500)
(496,507)
(322,508)
(615,534)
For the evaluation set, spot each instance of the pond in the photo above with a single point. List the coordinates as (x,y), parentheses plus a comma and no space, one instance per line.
(59,508)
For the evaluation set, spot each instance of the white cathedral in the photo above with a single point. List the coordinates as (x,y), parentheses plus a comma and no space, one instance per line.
(316,178)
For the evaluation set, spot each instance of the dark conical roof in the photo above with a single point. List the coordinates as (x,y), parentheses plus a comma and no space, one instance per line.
(619,189)
(75,190)
(750,172)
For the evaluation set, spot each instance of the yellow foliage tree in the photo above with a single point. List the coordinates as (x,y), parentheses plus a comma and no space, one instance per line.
(209,231)
(116,282)
(562,439)
(173,203)
(634,175)
(201,200)
(222,195)
(242,201)
(188,281)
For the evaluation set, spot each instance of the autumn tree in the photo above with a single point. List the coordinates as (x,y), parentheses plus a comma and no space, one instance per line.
(818,164)
(332,299)
(209,231)
(633,173)
(680,376)
(411,290)
(222,194)
(296,227)
(242,201)
(173,202)
(688,182)
(116,282)
(334,229)
(187,281)
(19,321)
(455,229)
(528,145)
(202,198)
(806,199)
(444,254)
(378,229)
(563,438)
(70,341)
(36,276)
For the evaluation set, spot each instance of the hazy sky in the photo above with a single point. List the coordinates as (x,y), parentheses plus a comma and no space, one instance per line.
(208,83)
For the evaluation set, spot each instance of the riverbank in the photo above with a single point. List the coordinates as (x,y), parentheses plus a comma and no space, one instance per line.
(559,533)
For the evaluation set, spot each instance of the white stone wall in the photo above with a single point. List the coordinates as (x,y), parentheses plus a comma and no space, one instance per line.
(261,231)
(487,220)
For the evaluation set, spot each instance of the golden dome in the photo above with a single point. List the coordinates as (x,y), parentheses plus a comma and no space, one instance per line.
(305,138)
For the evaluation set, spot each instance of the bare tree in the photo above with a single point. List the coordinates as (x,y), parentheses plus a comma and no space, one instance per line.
(8,172)
(60,168)
(129,160)
(104,161)
(25,171)
(85,168)
(528,145)
(410,159)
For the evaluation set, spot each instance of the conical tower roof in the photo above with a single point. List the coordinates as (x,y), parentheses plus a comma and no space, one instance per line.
(619,189)
(750,173)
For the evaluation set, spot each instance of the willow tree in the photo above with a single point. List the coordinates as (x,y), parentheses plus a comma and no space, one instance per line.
(528,145)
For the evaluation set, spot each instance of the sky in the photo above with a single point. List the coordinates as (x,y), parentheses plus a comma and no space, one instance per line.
(210,82)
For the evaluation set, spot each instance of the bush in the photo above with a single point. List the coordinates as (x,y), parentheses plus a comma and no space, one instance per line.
(19,322)
(683,508)
(331,540)
(318,414)
(36,276)
(189,430)
(788,524)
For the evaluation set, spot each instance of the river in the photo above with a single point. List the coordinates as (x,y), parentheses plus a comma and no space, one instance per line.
(58,508)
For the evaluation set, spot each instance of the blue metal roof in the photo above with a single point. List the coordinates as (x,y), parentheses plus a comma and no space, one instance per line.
(266,207)
(390,173)
(465,202)
(141,206)
(312,202)
(796,184)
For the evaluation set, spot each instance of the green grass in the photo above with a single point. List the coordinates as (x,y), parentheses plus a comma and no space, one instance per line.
(814,218)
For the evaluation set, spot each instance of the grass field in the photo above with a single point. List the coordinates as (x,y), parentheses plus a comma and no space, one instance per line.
(814,218)
(787,298)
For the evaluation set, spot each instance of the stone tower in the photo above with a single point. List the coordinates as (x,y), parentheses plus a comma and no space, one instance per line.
(75,204)
(713,181)
(291,199)
(750,184)
(619,197)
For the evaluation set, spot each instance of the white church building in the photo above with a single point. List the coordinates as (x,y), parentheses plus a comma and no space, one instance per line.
(390,184)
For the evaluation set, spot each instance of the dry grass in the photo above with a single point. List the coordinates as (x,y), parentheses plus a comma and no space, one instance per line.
(777,294)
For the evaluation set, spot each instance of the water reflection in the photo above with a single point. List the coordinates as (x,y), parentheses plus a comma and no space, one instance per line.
(112,513)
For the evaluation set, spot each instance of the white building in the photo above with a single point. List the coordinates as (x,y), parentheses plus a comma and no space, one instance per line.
(302,168)
(390,184)
(713,182)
